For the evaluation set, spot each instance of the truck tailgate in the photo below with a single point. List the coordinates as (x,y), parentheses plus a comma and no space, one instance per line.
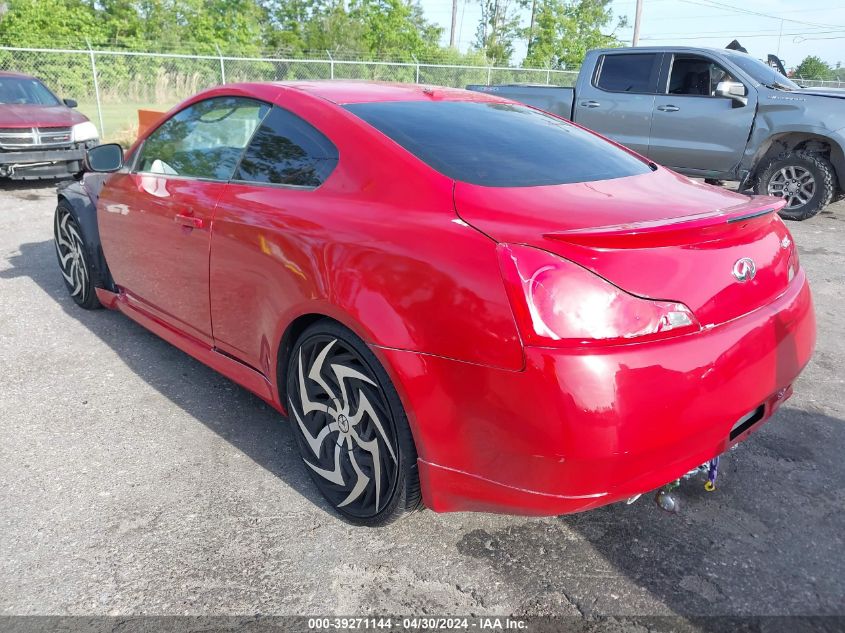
(554,99)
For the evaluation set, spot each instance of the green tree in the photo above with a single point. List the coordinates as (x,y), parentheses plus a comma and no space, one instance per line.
(123,23)
(332,29)
(498,29)
(287,24)
(395,29)
(372,28)
(235,26)
(565,30)
(50,23)
(189,25)
(813,67)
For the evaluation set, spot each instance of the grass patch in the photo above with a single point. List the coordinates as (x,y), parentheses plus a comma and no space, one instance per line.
(120,120)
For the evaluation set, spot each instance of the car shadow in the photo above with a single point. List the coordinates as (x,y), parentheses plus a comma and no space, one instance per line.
(768,540)
(241,418)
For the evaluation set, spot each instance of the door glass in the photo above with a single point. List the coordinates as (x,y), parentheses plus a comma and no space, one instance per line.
(204,140)
(287,150)
(628,73)
(693,75)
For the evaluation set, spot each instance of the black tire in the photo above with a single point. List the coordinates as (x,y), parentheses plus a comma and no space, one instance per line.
(74,261)
(791,173)
(358,450)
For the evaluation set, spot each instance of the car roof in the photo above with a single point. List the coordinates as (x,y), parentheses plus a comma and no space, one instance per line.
(11,73)
(343,92)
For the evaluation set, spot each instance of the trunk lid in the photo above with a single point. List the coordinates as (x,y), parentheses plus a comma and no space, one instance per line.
(660,236)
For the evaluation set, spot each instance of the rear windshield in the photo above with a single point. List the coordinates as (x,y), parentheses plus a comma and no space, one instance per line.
(498,144)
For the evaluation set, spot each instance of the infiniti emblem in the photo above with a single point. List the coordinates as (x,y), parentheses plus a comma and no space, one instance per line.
(744,269)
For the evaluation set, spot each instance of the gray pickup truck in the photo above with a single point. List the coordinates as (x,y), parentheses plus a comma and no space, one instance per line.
(710,113)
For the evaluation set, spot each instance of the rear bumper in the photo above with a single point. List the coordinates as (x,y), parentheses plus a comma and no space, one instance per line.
(577,429)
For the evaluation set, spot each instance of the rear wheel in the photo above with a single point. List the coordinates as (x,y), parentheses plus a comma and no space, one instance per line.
(79,276)
(804,180)
(350,427)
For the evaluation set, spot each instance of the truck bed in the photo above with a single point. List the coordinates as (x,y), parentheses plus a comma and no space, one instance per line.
(554,99)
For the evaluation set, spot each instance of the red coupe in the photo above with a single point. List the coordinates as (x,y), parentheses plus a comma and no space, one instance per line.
(457,300)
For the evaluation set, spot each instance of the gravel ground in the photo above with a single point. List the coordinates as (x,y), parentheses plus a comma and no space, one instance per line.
(137,481)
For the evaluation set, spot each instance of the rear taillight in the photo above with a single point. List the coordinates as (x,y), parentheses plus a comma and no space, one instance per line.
(557,302)
(794,263)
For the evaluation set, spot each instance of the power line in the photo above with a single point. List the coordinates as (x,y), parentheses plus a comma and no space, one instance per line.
(837,37)
(764,32)
(664,18)
(720,5)
(722,37)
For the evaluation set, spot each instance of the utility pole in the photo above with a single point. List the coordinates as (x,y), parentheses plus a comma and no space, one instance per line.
(494,30)
(454,23)
(637,20)
(531,28)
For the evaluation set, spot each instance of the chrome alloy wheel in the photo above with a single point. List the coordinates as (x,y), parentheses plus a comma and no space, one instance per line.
(71,252)
(795,184)
(344,427)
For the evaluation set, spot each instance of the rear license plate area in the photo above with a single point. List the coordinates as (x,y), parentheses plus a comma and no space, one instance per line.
(747,421)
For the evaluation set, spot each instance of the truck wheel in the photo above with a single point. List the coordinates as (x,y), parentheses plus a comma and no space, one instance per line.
(804,180)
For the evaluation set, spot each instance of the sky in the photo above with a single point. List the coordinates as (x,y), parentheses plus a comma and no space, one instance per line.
(761,26)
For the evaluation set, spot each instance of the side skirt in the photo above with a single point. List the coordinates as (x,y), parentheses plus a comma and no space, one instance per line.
(238,372)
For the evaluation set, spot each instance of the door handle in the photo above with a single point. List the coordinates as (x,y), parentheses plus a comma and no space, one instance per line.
(590,104)
(189,221)
(668,108)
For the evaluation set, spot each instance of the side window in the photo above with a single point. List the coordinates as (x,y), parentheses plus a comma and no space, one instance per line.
(635,72)
(286,150)
(204,140)
(692,75)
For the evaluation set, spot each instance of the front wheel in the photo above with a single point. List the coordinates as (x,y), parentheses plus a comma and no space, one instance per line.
(806,181)
(79,276)
(350,427)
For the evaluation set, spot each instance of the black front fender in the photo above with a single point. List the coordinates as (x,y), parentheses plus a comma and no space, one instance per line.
(81,198)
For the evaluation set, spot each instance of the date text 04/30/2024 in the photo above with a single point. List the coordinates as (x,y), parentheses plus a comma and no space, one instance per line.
(417,623)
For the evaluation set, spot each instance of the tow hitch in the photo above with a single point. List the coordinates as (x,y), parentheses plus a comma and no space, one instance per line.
(666,497)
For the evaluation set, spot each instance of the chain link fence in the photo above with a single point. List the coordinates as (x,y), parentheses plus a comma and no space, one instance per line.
(819,83)
(111,86)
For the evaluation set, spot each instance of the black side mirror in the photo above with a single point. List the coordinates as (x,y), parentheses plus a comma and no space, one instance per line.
(71,103)
(104,158)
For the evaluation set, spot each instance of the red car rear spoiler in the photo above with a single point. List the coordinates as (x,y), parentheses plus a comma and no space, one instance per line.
(700,227)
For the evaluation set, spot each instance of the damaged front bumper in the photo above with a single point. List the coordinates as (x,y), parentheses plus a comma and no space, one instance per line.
(43,163)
